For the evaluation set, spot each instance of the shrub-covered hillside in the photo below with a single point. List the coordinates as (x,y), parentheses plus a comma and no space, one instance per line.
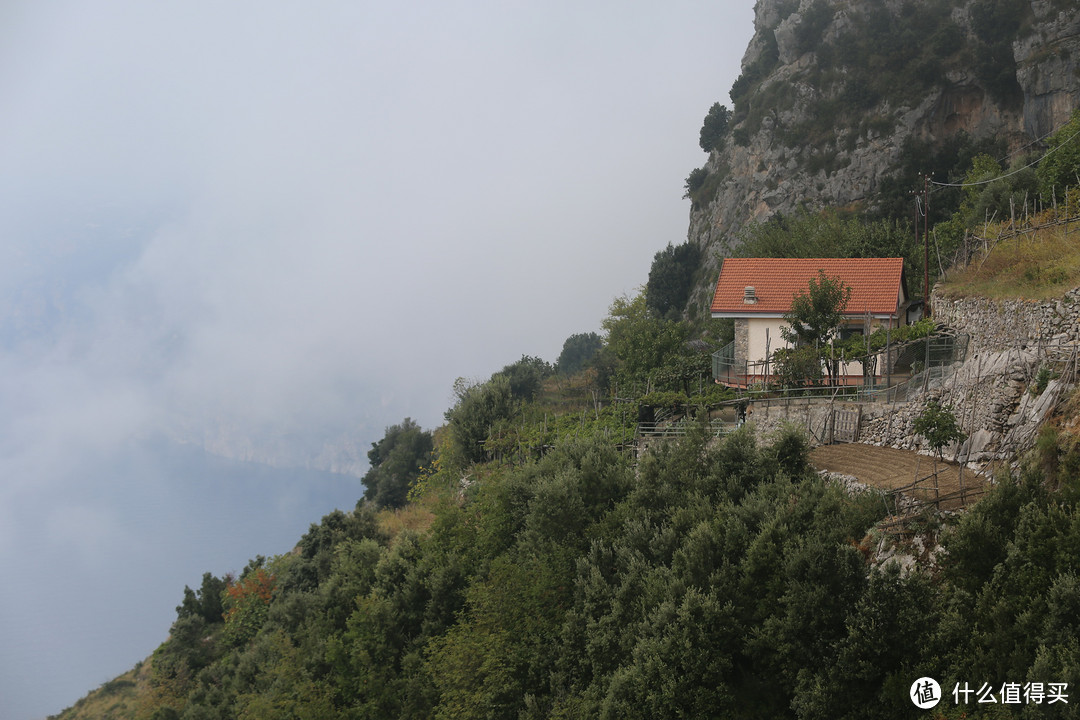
(710,580)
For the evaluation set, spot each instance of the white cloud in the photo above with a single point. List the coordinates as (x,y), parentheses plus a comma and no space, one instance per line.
(261,224)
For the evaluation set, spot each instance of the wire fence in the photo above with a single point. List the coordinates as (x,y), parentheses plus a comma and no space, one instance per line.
(900,370)
(716,428)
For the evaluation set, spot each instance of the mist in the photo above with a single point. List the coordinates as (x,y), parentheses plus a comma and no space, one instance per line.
(237,242)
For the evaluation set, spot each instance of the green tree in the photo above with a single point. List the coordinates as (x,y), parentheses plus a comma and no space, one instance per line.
(694,182)
(479,406)
(816,315)
(639,339)
(715,128)
(526,376)
(396,461)
(577,351)
(671,279)
(205,604)
(1060,168)
(797,367)
(938,426)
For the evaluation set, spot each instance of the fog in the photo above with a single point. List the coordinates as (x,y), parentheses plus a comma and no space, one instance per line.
(269,230)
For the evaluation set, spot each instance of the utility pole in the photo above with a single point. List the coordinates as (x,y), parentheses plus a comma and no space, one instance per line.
(926,245)
(922,207)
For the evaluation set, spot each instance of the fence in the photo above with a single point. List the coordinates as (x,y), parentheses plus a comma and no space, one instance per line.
(906,503)
(903,369)
(716,428)
(723,362)
(927,360)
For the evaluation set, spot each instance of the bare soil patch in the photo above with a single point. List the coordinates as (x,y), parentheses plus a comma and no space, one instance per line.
(909,472)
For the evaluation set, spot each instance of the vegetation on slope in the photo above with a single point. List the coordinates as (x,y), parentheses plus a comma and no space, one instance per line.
(1017,232)
(1037,260)
(714,580)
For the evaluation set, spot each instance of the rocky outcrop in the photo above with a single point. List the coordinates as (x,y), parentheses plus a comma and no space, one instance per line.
(1047,66)
(767,167)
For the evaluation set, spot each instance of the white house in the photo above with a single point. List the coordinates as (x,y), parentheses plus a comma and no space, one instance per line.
(757,292)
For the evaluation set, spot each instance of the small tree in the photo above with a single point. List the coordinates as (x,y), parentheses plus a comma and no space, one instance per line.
(639,340)
(577,352)
(396,461)
(1060,167)
(671,278)
(479,406)
(526,376)
(816,315)
(938,426)
(797,367)
(715,127)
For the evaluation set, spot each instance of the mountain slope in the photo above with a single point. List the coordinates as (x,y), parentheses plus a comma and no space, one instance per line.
(843,104)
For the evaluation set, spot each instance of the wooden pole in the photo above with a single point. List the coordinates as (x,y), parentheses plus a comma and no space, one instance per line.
(926,242)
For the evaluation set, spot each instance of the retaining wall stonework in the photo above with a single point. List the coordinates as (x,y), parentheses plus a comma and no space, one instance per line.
(991,393)
(1011,324)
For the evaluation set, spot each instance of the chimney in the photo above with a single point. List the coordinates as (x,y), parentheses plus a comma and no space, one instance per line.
(748,295)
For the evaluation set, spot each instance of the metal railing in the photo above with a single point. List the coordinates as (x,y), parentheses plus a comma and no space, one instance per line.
(901,370)
(717,428)
(723,361)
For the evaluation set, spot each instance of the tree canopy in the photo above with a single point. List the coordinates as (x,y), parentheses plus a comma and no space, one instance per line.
(396,461)
(577,351)
(671,278)
(714,129)
(1060,168)
(817,313)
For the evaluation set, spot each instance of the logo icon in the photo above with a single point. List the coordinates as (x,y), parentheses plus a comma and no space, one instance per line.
(925,693)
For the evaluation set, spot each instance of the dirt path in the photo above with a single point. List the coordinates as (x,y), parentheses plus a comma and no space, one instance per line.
(890,469)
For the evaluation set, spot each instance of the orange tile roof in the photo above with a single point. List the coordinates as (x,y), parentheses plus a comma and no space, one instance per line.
(875,283)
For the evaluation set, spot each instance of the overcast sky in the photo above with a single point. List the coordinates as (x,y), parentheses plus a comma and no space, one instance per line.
(227,222)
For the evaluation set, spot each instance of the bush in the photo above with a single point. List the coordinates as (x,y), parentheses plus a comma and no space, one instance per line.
(715,128)
(938,426)
(694,181)
(1042,379)
(396,461)
(479,406)
(671,278)
(577,352)
(664,399)
(526,376)
(797,367)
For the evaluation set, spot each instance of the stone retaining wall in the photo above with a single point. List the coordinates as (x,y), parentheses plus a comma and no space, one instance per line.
(991,393)
(1011,324)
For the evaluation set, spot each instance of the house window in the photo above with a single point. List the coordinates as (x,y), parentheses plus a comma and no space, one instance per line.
(848,332)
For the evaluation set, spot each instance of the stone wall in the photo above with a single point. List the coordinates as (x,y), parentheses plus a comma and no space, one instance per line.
(769,416)
(993,397)
(992,393)
(1011,324)
(742,342)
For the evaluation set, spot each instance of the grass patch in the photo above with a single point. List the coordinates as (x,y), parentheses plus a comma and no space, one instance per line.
(416,516)
(121,697)
(1033,264)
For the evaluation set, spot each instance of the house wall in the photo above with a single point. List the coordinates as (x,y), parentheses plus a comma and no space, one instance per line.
(756,341)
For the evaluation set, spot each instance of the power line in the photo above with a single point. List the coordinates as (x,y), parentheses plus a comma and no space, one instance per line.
(1014,172)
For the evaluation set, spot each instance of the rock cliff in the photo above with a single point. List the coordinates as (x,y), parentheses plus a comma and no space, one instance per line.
(836,97)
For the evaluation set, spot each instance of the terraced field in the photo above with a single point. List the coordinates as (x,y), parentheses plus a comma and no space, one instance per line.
(902,470)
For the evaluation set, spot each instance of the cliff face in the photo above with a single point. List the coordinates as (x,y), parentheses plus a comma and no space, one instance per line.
(834,91)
